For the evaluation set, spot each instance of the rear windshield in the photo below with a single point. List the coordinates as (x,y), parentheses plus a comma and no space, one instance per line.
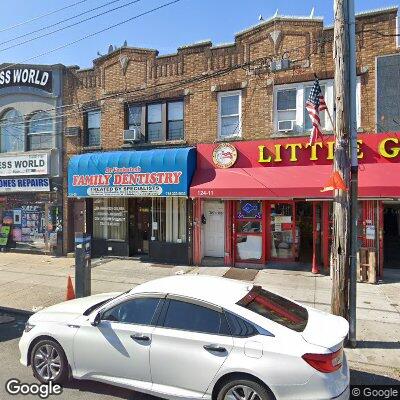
(276,308)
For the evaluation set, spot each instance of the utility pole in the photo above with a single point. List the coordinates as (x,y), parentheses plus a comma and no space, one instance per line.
(341,204)
(353,175)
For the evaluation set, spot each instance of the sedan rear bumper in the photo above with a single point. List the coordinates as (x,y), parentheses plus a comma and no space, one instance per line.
(344,396)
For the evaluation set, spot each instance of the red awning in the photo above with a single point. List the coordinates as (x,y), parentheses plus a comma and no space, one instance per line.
(375,180)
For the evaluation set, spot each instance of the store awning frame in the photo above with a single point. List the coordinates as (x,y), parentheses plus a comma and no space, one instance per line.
(290,182)
(142,173)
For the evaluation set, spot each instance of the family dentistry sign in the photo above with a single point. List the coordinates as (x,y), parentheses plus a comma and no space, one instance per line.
(32,77)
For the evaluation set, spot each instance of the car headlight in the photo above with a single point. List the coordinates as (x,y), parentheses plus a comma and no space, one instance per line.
(28,327)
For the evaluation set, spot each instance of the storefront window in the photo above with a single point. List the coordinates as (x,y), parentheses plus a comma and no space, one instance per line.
(249,230)
(282,230)
(249,209)
(12,132)
(30,228)
(110,219)
(169,219)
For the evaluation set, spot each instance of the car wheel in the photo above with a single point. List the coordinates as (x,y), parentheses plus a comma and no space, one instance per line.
(48,362)
(243,390)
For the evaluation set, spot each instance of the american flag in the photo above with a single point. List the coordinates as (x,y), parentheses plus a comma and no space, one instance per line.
(315,103)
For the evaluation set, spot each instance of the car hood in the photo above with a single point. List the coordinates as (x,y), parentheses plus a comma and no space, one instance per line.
(69,310)
(325,329)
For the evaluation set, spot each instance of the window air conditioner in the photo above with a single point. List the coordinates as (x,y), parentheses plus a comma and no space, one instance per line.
(286,126)
(132,135)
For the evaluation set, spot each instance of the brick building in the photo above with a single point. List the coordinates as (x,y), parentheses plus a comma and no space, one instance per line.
(243,93)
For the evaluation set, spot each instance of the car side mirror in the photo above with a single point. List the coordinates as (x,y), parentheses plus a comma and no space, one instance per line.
(95,318)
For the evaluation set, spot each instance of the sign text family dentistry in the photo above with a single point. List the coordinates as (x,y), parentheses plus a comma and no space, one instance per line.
(126,181)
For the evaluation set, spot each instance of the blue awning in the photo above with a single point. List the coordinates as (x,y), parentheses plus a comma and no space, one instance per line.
(146,173)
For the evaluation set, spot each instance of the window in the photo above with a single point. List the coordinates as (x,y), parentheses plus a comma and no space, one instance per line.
(12,132)
(154,122)
(276,308)
(93,128)
(175,120)
(290,114)
(249,244)
(135,117)
(110,219)
(139,311)
(286,108)
(169,219)
(40,131)
(239,327)
(163,121)
(194,318)
(229,114)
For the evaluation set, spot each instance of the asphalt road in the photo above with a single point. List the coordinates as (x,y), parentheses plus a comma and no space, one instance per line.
(85,390)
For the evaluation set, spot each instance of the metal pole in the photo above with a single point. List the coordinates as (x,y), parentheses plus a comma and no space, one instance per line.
(353,174)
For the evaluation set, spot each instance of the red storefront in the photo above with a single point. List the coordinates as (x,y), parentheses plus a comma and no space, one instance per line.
(260,202)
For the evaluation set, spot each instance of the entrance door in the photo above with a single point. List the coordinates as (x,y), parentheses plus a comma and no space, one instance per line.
(143,225)
(284,235)
(139,225)
(391,236)
(214,229)
(304,228)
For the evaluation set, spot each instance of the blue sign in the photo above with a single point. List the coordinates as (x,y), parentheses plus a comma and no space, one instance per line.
(147,173)
(24,185)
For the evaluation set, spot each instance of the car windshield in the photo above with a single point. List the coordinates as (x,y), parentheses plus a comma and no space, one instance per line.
(276,308)
(99,304)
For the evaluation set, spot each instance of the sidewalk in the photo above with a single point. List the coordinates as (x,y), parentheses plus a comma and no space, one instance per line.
(31,282)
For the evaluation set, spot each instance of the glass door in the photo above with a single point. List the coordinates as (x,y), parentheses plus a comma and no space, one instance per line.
(284,236)
(249,231)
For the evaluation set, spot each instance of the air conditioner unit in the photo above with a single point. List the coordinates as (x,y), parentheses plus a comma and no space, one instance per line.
(72,131)
(132,135)
(286,126)
(279,65)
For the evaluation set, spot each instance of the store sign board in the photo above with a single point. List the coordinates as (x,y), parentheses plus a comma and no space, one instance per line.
(24,164)
(24,185)
(150,173)
(32,77)
(297,151)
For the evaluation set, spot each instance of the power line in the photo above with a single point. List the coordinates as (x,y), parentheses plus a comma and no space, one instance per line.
(173,85)
(93,34)
(64,27)
(41,16)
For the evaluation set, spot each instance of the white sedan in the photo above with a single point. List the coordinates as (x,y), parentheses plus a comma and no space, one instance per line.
(192,337)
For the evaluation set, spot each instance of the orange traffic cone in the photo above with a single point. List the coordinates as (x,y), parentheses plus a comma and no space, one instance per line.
(70,289)
(315,268)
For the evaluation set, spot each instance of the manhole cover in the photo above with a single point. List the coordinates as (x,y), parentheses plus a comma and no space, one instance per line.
(6,319)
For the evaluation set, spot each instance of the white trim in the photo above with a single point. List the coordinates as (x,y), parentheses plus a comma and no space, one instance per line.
(238,133)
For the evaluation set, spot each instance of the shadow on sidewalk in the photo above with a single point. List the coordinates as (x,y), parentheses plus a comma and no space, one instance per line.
(369,378)
(104,389)
(377,344)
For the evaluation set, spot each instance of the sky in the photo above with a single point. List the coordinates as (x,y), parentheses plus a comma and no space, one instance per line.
(185,22)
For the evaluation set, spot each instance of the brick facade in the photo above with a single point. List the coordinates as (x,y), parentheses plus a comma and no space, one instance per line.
(196,73)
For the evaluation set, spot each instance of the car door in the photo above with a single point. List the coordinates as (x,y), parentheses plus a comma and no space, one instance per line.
(189,346)
(117,349)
